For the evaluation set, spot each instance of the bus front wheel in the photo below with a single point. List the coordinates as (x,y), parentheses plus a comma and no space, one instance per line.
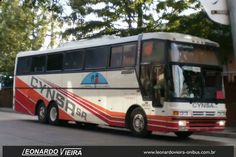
(42,113)
(183,135)
(53,114)
(138,122)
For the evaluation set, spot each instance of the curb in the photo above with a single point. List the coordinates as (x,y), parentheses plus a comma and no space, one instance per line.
(5,109)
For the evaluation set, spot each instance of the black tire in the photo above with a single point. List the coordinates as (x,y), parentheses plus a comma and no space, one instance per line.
(42,113)
(183,134)
(138,122)
(53,114)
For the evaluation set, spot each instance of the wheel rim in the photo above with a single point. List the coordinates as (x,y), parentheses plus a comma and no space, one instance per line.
(53,114)
(138,123)
(42,112)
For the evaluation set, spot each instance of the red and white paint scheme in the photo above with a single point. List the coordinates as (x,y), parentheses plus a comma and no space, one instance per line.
(164,82)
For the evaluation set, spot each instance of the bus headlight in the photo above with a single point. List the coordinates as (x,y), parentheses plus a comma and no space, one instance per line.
(182,123)
(221,122)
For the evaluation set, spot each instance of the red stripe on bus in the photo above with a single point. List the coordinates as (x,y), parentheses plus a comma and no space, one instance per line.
(113,121)
(65,116)
(95,112)
(155,117)
(161,128)
(95,106)
(25,101)
(20,108)
(163,123)
(29,93)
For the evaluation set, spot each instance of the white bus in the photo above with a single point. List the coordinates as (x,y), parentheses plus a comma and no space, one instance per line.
(166,82)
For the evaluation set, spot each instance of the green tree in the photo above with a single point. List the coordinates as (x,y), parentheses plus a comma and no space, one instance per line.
(123,17)
(138,16)
(23,26)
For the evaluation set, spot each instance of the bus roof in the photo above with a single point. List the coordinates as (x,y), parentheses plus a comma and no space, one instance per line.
(110,40)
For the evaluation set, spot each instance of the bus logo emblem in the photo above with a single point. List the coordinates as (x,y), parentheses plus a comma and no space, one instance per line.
(94,78)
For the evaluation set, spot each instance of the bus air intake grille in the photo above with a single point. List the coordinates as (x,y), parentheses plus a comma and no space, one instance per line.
(202,123)
(204,113)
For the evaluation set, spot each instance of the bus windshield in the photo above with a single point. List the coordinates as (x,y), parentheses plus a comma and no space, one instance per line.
(196,71)
(199,82)
(192,53)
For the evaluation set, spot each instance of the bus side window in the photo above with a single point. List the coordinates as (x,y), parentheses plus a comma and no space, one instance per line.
(73,60)
(123,55)
(116,56)
(153,51)
(96,58)
(23,65)
(129,55)
(38,64)
(54,62)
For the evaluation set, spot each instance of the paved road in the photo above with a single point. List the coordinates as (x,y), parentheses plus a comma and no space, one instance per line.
(18,129)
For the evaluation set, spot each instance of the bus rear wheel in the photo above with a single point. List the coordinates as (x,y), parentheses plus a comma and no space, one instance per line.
(183,135)
(53,114)
(138,122)
(42,113)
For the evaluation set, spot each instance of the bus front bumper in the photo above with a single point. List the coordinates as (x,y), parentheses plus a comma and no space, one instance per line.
(176,124)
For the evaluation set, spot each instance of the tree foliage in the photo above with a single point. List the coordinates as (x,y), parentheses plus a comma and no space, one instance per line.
(131,17)
(122,17)
(23,26)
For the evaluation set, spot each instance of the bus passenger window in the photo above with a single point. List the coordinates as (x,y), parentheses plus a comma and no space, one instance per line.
(38,64)
(96,58)
(129,55)
(54,62)
(116,56)
(73,60)
(153,51)
(23,65)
